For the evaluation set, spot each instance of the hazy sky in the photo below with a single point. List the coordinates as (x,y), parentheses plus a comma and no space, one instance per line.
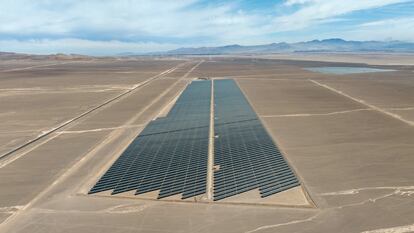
(113,26)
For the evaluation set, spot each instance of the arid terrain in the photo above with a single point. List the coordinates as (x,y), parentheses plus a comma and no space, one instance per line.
(349,138)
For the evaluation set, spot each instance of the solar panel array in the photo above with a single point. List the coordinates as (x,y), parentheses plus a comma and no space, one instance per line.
(170,154)
(247,157)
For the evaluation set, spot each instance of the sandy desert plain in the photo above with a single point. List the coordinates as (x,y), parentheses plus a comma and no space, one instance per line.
(349,138)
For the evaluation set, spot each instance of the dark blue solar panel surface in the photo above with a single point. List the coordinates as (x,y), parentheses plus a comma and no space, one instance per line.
(170,154)
(246,154)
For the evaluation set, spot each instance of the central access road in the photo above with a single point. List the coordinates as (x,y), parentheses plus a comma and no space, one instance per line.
(210,160)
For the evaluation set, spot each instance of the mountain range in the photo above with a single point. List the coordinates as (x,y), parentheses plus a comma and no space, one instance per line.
(327,45)
(315,46)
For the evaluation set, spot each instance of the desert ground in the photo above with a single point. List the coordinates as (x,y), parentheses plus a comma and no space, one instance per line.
(349,138)
(374,58)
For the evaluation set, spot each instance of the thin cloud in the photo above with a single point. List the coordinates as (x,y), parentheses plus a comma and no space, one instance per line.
(296,2)
(316,11)
(141,25)
(389,29)
(135,19)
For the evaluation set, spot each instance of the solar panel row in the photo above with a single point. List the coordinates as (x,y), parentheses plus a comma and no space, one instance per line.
(170,154)
(247,157)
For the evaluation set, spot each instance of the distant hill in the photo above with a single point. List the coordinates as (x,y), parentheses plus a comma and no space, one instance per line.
(58,56)
(328,45)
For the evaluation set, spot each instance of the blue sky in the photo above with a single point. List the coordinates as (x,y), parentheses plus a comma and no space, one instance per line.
(105,27)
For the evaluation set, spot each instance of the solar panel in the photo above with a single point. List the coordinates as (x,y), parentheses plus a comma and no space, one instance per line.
(170,154)
(246,154)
